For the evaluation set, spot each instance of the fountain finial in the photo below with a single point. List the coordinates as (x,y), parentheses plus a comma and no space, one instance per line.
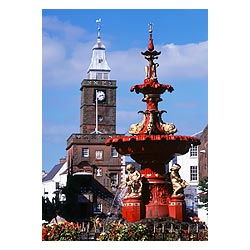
(151,84)
(150,43)
(150,27)
(151,54)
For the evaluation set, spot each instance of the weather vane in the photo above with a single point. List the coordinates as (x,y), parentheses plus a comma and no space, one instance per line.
(98,21)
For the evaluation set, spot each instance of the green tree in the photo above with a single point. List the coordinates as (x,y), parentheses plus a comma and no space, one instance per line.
(203,195)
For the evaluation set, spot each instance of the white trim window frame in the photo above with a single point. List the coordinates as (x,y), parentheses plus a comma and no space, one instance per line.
(193,173)
(85,152)
(99,154)
(194,151)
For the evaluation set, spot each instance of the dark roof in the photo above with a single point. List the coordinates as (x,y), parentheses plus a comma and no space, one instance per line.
(53,172)
(76,181)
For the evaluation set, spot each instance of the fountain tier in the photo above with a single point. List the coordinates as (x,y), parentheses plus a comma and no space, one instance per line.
(146,149)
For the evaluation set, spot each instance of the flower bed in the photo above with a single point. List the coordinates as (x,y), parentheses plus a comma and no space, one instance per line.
(124,232)
(155,231)
(148,230)
(63,231)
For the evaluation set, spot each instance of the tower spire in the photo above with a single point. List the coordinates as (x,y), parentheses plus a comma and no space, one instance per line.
(99,68)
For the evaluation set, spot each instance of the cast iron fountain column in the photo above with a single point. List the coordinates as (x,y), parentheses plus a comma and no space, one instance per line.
(153,144)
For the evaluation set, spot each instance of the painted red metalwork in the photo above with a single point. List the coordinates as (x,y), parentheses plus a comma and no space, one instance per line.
(132,209)
(151,86)
(153,144)
(177,208)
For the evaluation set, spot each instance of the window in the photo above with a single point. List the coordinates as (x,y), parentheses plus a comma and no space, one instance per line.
(106,76)
(85,152)
(99,154)
(193,173)
(97,207)
(193,151)
(99,76)
(99,172)
(114,153)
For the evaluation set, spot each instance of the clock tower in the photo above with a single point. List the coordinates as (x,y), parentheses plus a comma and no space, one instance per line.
(98,94)
(94,169)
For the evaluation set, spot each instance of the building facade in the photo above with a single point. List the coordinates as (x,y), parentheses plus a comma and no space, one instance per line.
(53,185)
(194,167)
(94,170)
(54,181)
(189,172)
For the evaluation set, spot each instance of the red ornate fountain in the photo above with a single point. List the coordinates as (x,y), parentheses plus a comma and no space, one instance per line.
(153,144)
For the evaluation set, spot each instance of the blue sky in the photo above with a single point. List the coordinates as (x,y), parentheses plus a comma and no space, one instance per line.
(68,37)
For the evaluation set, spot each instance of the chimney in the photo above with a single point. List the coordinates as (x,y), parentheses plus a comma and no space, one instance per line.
(62,160)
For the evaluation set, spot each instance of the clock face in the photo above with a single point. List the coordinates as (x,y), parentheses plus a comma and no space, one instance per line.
(100,95)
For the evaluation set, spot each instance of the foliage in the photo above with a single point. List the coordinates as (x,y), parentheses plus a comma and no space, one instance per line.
(203,195)
(116,231)
(124,232)
(61,231)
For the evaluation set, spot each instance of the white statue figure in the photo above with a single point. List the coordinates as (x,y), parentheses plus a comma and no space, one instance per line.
(132,183)
(177,183)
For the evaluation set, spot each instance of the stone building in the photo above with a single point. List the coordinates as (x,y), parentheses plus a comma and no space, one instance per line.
(203,154)
(94,170)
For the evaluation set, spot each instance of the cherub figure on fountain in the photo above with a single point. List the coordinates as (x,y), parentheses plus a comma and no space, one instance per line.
(132,183)
(178,184)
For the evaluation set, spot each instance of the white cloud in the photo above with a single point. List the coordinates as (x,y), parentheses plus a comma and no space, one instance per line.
(67,54)
(53,51)
(127,65)
(64,30)
(176,61)
(189,60)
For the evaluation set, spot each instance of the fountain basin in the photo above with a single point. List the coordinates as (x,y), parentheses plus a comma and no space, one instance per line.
(147,149)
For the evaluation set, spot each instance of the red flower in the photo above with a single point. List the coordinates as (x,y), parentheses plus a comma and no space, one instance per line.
(195,219)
